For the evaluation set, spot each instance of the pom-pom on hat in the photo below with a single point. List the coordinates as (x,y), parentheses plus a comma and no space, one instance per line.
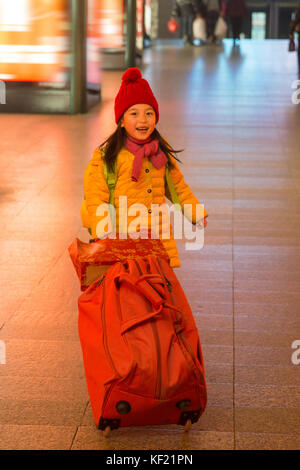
(134,90)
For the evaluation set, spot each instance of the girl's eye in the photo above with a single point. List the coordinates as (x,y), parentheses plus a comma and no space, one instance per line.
(150,113)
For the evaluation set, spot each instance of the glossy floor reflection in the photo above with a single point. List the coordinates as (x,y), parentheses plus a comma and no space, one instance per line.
(232,111)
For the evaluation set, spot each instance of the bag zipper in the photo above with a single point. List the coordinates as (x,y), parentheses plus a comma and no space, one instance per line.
(105,343)
(159,392)
(180,336)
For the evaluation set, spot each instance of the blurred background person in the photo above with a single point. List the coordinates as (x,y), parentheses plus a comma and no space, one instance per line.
(236,10)
(295,28)
(199,24)
(214,8)
(201,9)
(186,10)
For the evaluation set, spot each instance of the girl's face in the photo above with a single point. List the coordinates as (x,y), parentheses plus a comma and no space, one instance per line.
(139,121)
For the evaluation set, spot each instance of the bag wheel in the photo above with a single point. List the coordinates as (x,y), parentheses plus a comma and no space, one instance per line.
(107,431)
(187,425)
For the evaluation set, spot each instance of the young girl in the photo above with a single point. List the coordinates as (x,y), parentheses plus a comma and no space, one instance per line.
(139,156)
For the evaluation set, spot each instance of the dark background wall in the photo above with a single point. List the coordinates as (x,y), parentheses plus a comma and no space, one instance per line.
(283,13)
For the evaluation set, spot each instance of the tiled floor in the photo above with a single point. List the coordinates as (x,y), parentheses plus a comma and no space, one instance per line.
(231,109)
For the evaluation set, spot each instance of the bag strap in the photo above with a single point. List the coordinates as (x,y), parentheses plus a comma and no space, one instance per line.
(172,190)
(111,181)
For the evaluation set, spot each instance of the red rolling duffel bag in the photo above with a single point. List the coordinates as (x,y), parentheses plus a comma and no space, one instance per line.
(141,350)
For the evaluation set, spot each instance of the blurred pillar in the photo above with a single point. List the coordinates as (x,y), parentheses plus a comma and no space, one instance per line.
(130,50)
(274,18)
(78,103)
(154,18)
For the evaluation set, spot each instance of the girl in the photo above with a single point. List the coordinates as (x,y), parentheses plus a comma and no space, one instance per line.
(139,156)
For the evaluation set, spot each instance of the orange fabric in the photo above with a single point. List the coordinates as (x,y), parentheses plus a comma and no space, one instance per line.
(149,189)
(140,344)
(107,252)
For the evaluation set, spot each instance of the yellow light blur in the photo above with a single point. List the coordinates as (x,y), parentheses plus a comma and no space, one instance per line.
(34,40)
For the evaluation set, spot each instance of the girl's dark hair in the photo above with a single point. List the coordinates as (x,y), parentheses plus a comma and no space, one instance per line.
(114,143)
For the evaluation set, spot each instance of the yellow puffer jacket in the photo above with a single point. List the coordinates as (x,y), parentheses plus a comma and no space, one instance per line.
(148,190)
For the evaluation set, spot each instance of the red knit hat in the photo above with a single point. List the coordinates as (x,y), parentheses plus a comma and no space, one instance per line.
(134,90)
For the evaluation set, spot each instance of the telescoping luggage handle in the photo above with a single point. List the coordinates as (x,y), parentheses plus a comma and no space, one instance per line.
(154,293)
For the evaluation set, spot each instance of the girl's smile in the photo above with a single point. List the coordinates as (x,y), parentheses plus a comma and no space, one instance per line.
(139,121)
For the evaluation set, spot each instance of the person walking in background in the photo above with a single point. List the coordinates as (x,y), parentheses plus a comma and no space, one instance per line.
(201,10)
(199,24)
(236,10)
(295,27)
(214,9)
(186,10)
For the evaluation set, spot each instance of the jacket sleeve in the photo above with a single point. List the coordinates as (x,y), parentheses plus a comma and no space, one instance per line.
(187,200)
(96,193)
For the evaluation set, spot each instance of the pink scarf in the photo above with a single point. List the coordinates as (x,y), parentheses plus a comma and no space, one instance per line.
(145,148)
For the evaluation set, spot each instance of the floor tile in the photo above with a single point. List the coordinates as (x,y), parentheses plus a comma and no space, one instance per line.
(231,112)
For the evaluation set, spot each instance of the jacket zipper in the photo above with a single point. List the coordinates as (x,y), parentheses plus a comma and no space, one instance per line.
(159,393)
(180,335)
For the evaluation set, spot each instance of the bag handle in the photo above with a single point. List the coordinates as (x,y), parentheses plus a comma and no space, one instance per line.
(177,322)
(145,287)
(155,295)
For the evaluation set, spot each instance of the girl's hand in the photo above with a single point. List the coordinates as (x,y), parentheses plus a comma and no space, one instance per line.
(107,235)
(201,223)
